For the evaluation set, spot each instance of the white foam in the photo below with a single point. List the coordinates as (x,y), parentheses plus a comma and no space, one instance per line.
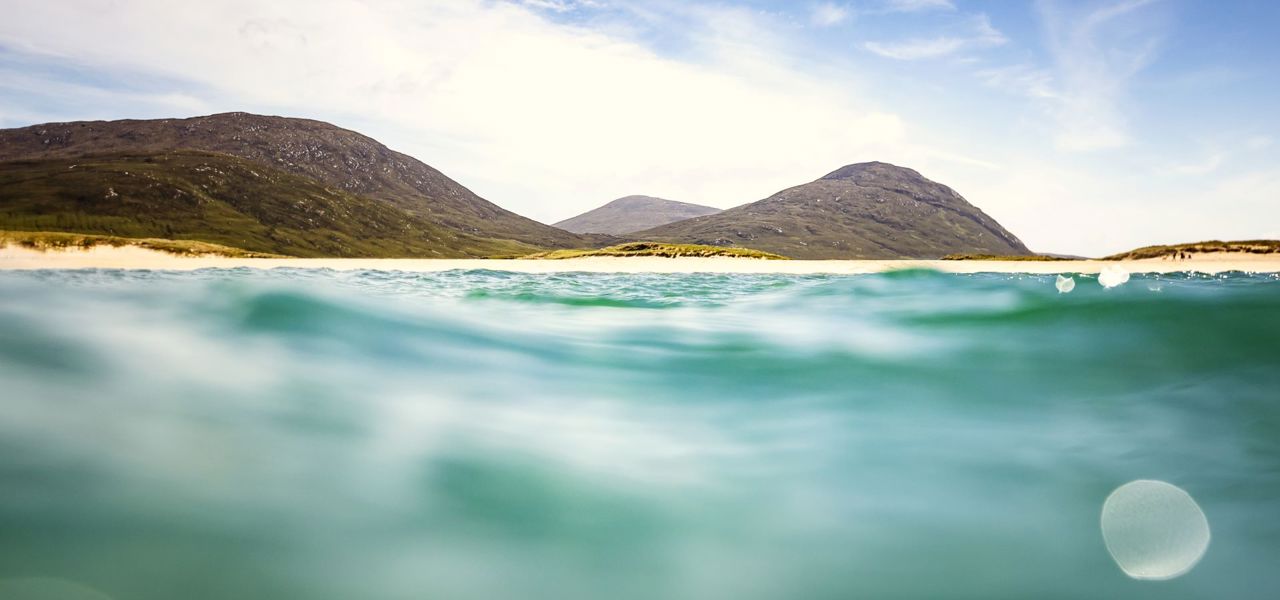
(1112,276)
(1154,530)
(1065,284)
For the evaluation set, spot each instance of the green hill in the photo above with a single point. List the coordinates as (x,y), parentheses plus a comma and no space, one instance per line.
(658,250)
(867,210)
(1209,247)
(44,240)
(339,160)
(307,188)
(223,200)
(633,213)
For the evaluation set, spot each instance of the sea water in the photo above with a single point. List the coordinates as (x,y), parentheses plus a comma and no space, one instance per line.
(312,434)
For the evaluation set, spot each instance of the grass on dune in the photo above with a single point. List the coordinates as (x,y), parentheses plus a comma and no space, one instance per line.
(1029,257)
(52,240)
(1247,247)
(659,250)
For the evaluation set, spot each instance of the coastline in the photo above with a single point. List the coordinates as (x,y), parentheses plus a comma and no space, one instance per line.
(128,257)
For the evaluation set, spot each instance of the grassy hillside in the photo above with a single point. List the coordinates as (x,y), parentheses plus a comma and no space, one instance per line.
(657,249)
(1014,257)
(342,160)
(44,240)
(1248,246)
(222,200)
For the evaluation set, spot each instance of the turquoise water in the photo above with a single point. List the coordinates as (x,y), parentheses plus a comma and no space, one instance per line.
(379,435)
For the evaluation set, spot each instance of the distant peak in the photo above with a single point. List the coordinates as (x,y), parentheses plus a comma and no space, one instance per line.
(637,198)
(240,118)
(874,169)
(232,116)
(641,202)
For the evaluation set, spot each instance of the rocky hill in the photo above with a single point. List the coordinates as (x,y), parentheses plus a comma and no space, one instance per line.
(339,159)
(224,200)
(865,210)
(633,213)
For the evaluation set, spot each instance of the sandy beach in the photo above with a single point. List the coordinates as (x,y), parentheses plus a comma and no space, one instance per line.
(127,257)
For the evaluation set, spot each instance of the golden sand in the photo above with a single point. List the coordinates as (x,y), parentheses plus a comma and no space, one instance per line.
(128,257)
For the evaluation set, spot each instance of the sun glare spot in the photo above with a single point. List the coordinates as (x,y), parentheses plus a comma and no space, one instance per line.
(1154,530)
(1113,276)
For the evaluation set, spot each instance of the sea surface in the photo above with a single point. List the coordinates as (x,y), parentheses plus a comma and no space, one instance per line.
(371,435)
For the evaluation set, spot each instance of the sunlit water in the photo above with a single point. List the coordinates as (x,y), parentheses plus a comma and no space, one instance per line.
(372,435)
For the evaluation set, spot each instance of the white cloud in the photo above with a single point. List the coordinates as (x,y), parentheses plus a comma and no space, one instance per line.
(549,119)
(1202,167)
(101,103)
(1023,80)
(918,5)
(561,6)
(1065,203)
(1096,52)
(828,14)
(979,34)
(915,49)
(1258,142)
(1226,151)
(542,118)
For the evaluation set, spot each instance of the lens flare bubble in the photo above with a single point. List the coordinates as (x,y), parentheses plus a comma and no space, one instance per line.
(1154,530)
(1112,276)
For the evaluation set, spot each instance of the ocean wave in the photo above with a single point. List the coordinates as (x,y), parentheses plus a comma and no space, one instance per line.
(481,434)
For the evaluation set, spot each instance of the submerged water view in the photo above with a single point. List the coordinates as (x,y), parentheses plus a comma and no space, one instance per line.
(317,434)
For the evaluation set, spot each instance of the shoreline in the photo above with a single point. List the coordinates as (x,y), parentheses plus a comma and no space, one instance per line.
(127,257)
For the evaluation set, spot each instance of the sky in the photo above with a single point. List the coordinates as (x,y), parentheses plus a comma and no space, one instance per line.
(1083,126)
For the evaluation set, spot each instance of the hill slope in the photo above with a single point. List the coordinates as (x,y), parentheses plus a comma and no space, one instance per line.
(633,213)
(1192,248)
(865,210)
(339,158)
(223,200)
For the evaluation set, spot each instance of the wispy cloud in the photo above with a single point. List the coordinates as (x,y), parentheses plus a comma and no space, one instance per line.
(979,34)
(561,6)
(1201,167)
(1023,80)
(918,5)
(538,118)
(828,14)
(1258,142)
(1226,151)
(1096,52)
(550,107)
(916,49)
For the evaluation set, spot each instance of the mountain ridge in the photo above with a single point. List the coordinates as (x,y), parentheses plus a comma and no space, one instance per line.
(338,157)
(633,213)
(872,210)
(353,196)
(220,199)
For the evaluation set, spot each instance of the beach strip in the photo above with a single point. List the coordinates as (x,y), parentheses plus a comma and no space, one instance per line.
(128,257)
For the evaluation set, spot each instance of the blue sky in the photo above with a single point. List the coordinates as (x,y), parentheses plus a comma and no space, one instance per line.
(1085,126)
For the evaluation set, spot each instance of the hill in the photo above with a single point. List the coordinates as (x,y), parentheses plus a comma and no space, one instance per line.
(337,158)
(633,213)
(865,210)
(658,250)
(45,241)
(1192,248)
(223,200)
